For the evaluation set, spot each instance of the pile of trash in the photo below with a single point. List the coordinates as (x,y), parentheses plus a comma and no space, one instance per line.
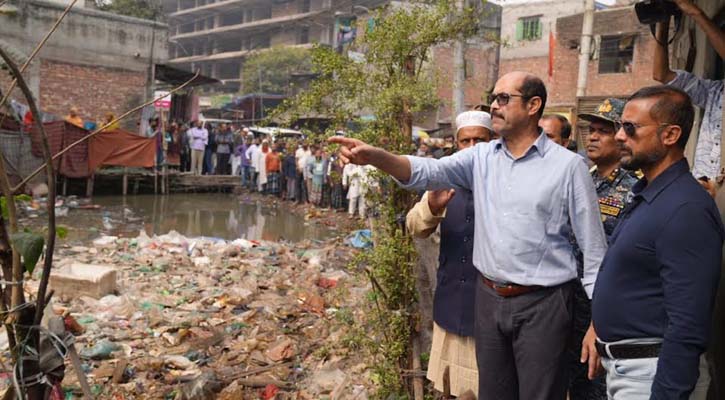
(203,318)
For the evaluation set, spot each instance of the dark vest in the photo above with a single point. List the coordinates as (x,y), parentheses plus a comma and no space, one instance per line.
(455,291)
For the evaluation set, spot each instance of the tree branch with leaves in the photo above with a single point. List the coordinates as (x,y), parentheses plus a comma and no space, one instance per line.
(382,93)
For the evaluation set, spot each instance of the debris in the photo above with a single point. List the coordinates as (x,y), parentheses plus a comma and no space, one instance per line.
(235,391)
(328,380)
(119,373)
(326,283)
(80,279)
(203,318)
(270,391)
(100,350)
(178,362)
(360,239)
(313,303)
(283,350)
(204,387)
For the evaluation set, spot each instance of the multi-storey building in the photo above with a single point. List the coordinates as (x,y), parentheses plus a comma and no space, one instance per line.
(215,36)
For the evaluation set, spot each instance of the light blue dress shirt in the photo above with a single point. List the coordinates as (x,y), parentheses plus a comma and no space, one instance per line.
(525,210)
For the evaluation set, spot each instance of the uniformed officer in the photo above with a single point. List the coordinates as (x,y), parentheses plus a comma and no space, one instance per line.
(614,189)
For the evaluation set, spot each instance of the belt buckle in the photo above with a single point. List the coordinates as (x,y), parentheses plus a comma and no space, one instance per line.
(498,285)
(605,347)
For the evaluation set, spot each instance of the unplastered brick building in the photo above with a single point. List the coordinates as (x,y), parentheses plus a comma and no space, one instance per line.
(96,61)
(620,61)
(481,64)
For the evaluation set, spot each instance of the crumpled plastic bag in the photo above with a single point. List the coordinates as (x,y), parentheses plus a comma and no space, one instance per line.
(360,239)
(101,350)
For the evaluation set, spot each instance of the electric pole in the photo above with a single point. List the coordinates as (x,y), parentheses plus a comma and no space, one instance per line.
(459,71)
(586,47)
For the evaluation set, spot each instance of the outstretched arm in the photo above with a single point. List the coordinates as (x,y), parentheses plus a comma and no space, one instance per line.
(358,152)
(455,171)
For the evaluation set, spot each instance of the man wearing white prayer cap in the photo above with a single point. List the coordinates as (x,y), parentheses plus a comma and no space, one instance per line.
(474,121)
(453,348)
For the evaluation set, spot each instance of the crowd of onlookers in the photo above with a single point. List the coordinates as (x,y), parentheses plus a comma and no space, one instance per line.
(292,169)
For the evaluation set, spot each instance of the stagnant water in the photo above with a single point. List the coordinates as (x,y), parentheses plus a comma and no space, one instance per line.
(223,216)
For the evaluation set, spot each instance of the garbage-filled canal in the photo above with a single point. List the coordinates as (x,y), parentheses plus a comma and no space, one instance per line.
(221,308)
(220,215)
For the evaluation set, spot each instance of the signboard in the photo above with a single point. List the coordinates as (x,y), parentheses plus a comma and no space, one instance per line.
(165,102)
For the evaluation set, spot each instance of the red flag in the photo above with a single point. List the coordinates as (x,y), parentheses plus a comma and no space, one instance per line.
(551,52)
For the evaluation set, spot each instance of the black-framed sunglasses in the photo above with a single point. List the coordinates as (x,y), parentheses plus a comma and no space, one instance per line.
(630,128)
(502,98)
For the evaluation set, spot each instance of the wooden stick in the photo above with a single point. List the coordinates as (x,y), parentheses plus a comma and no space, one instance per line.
(76,362)
(258,370)
(99,130)
(262,382)
(417,380)
(89,185)
(50,175)
(17,298)
(125,181)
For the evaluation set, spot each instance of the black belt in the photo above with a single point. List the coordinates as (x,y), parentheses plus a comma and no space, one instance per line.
(628,351)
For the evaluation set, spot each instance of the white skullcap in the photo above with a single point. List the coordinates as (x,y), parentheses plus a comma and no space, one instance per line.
(473,118)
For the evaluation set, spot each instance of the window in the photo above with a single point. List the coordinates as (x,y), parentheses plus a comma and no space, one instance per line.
(616,54)
(468,68)
(304,36)
(528,28)
(305,6)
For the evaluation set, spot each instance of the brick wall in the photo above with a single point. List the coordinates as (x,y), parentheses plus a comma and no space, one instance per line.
(562,88)
(482,65)
(538,66)
(94,90)
(561,85)
(566,65)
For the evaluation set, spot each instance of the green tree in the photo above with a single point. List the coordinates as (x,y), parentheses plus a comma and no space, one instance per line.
(391,81)
(271,70)
(146,9)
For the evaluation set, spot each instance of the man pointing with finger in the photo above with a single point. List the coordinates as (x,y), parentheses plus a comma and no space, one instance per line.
(453,347)
(529,194)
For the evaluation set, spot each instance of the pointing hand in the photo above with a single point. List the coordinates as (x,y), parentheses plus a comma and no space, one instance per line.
(353,151)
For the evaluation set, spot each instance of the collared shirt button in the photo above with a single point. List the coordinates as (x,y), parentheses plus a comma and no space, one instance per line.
(463,280)
(465,239)
(468,218)
(463,260)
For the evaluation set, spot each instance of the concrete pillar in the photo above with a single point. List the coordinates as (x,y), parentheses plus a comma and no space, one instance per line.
(459,72)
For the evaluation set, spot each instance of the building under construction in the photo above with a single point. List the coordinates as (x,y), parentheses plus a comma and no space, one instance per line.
(215,36)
